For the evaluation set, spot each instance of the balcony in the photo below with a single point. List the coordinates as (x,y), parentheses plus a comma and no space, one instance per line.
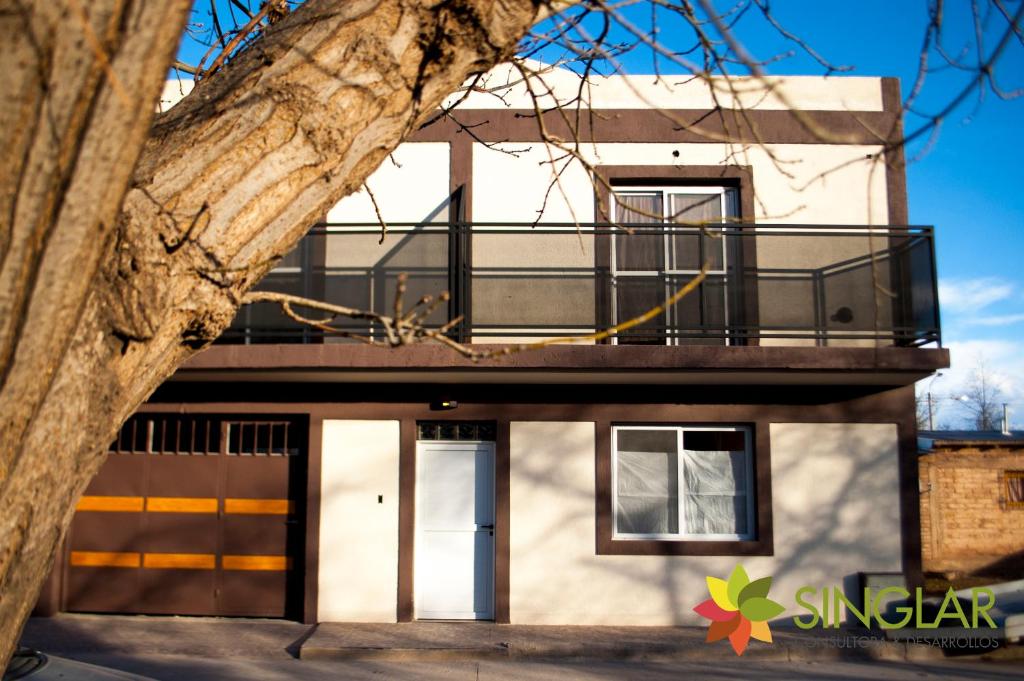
(767,285)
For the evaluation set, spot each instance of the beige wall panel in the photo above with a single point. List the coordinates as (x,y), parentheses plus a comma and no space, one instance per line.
(413,188)
(795,183)
(835,489)
(414,249)
(509,188)
(358,578)
(836,499)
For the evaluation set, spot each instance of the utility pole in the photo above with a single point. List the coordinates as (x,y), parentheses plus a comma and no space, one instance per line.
(931,424)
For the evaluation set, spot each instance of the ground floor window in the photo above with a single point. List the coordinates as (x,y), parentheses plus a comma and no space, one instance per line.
(683,483)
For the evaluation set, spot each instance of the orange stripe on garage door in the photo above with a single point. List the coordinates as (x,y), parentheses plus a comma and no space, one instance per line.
(104,559)
(181,505)
(259,506)
(99,503)
(187,561)
(256,562)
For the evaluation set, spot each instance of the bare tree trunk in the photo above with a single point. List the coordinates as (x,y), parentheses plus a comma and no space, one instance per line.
(94,317)
(80,80)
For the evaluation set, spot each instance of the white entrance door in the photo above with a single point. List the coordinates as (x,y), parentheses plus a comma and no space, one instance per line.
(454,550)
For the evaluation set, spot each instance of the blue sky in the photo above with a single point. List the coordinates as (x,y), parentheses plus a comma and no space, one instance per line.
(968,185)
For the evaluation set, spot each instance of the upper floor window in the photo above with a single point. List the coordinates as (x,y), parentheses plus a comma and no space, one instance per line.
(649,265)
(683,483)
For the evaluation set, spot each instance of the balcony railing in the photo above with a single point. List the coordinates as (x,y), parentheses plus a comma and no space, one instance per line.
(766,284)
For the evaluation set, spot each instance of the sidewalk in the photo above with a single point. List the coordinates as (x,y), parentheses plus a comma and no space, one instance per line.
(444,641)
(441,641)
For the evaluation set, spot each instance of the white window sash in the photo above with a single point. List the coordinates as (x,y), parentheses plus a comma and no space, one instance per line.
(683,535)
(728,205)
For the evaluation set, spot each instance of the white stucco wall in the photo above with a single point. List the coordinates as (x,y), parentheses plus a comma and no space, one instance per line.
(835,505)
(411,186)
(358,578)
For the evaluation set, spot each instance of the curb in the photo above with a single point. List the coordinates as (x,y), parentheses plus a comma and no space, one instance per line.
(780,652)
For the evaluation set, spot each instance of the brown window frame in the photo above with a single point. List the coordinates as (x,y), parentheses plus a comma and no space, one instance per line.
(761,545)
(739,178)
(1009,476)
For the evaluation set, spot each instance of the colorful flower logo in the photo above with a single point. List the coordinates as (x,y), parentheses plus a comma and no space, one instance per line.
(739,609)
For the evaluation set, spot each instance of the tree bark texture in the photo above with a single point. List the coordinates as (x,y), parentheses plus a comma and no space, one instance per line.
(104,290)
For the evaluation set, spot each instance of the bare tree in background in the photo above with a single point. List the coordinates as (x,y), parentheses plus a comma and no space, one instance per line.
(983,399)
(129,242)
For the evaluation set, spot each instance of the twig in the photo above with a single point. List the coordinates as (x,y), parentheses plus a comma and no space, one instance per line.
(239,37)
(408,328)
(376,209)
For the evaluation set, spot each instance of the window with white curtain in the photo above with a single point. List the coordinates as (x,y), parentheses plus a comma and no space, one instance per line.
(683,482)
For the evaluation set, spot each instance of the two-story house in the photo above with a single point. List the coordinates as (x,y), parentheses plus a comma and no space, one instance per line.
(766,419)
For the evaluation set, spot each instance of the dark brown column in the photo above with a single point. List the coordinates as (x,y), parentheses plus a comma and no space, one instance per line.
(312,563)
(502,527)
(406,517)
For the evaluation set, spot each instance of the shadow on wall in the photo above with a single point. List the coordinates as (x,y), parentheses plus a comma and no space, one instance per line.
(834,516)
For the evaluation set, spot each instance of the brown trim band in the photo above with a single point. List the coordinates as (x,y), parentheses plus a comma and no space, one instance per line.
(895,160)
(756,126)
(655,359)
(803,404)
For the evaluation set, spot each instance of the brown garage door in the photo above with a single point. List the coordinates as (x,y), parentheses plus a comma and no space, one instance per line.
(193,515)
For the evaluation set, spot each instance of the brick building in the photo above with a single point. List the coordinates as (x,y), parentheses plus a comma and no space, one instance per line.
(972,503)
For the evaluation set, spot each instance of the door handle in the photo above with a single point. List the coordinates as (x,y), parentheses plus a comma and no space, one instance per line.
(485,527)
